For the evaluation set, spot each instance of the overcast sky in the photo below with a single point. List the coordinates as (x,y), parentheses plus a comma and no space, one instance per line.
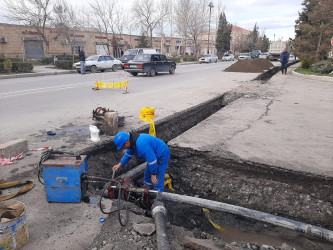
(274,17)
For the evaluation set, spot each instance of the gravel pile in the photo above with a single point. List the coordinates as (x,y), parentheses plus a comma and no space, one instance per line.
(256,65)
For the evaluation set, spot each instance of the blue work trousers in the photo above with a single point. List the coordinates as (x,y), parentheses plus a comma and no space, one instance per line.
(82,67)
(161,170)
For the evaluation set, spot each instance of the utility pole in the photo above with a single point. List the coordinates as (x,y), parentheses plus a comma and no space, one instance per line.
(210,5)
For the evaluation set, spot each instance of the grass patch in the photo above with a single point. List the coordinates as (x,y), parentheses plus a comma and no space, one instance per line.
(310,72)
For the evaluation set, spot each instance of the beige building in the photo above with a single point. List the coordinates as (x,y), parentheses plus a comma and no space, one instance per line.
(24,42)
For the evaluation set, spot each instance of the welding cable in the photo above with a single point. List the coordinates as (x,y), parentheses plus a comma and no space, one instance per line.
(117,183)
(45,156)
(120,194)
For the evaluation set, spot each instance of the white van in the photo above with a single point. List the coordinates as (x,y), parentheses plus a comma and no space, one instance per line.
(131,53)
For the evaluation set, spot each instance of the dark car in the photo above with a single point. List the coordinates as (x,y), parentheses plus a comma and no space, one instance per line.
(150,64)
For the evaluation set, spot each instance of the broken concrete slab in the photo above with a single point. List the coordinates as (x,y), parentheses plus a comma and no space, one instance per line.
(202,244)
(13,148)
(144,229)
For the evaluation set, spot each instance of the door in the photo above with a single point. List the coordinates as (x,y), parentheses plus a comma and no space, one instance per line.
(158,64)
(33,49)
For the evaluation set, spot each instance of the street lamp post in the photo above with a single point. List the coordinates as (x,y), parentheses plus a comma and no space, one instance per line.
(210,5)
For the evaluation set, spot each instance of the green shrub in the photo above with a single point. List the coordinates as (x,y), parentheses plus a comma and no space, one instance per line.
(22,67)
(305,64)
(8,64)
(323,67)
(174,59)
(64,64)
(46,60)
(2,68)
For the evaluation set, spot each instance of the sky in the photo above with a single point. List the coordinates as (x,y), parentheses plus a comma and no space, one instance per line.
(274,17)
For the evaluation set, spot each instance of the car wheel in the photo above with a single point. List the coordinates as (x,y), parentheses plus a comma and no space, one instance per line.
(209,61)
(93,69)
(134,73)
(102,70)
(78,71)
(152,72)
(114,68)
(172,70)
(216,61)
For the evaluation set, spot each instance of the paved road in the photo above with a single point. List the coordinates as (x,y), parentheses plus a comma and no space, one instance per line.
(31,106)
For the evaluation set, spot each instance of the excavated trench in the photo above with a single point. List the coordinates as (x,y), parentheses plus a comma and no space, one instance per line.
(295,195)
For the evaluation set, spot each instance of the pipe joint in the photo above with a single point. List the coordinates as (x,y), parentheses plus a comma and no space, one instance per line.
(159,208)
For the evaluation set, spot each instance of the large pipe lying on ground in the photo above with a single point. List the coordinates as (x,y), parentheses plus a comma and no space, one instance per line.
(134,171)
(307,229)
(159,214)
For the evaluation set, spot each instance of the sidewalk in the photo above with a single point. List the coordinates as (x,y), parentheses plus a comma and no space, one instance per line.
(39,70)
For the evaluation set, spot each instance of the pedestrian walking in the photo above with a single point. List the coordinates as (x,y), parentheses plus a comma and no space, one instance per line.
(148,148)
(284,58)
(82,57)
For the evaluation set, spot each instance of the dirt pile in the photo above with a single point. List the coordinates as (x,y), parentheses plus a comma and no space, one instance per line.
(256,65)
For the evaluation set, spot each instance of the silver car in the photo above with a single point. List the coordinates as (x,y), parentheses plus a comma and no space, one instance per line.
(244,56)
(98,62)
(264,55)
(208,59)
(228,57)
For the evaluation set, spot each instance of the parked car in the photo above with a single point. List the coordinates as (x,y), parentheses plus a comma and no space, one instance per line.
(244,56)
(149,64)
(228,57)
(208,59)
(98,62)
(264,55)
(131,53)
(255,53)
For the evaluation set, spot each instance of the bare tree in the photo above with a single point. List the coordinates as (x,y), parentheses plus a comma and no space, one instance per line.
(33,13)
(182,11)
(103,14)
(148,15)
(198,22)
(67,23)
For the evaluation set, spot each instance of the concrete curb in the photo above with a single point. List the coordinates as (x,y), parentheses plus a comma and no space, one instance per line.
(37,74)
(313,77)
(269,73)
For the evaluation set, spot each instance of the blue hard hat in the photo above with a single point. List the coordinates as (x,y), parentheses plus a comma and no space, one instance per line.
(120,139)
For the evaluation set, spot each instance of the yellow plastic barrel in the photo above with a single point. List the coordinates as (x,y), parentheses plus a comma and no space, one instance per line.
(147,112)
(13,228)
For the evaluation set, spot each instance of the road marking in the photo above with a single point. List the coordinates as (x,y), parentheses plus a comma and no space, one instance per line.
(40,90)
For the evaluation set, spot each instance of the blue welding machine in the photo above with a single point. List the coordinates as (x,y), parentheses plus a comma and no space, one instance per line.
(62,178)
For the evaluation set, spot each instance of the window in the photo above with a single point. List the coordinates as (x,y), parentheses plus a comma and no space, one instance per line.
(108,58)
(101,58)
(163,58)
(155,58)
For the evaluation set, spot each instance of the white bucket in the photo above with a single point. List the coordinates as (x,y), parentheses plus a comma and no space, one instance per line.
(13,228)
(94,133)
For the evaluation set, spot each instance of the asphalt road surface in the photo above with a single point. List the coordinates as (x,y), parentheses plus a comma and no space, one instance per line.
(30,105)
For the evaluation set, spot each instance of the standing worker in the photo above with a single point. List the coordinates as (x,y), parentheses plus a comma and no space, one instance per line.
(82,57)
(284,58)
(145,147)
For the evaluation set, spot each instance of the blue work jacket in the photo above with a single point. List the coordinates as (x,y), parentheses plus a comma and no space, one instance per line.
(148,148)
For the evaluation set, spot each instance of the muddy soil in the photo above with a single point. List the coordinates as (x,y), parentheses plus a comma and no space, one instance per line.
(256,65)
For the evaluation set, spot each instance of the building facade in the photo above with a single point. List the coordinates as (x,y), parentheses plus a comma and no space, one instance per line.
(19,41)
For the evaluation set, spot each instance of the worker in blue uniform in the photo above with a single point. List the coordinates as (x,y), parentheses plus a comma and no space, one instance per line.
(145,147)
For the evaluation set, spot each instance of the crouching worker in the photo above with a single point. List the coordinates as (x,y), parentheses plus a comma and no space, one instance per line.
(147,148)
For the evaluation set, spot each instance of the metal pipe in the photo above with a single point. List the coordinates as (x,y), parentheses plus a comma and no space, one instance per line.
(134,172)
(159,214)
(307,229)
(253,214)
